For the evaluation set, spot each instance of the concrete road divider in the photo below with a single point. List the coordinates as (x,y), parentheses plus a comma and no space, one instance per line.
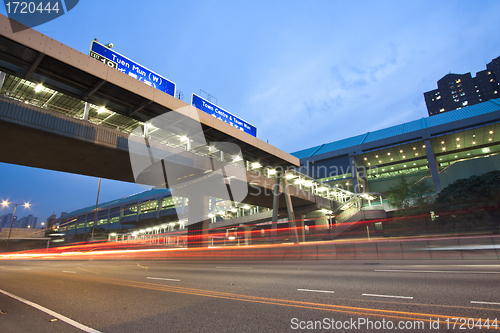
(389,250)
(326,251)
(415,249)
(477,248)
(292,252)
(444,248)
(456,248)
(365,250)
(262,253)
(496,242)
(345,250)
(309,251)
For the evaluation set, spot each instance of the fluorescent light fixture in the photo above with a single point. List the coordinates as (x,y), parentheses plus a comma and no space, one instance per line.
(38,88)
(256,165)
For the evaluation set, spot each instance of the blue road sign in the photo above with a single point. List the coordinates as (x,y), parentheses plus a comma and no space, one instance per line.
(133,69)
(223,115)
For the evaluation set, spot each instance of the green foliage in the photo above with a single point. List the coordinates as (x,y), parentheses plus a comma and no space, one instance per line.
(472,192)
(404,195)
(470,204)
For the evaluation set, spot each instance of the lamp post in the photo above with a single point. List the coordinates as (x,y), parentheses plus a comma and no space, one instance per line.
(95,213)
(5,203)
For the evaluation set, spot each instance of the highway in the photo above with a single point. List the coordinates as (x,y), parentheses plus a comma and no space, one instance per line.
(248,296)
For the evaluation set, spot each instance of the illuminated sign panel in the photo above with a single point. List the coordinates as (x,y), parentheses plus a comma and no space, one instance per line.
(131,68)
(222,114)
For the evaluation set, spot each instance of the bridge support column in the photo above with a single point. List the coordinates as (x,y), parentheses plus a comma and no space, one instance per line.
(291,215)
(86,111)
(276,204)
(248,235)
(354,175)
(289,207)
(431,158)
(301,228)
(197,233)
(2,79)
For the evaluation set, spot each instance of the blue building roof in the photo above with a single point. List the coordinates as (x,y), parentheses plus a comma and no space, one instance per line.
(415,125)
(119,202)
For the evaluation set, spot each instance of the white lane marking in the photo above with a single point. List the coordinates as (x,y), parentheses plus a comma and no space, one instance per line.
(52,313)
(387,296)
(436,265)
(69,272)
(155,278)
(419,271)
(490,303)
(317,291)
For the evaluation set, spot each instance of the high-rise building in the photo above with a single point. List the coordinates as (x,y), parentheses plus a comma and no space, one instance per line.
(494,67)
(23,222)
(456,91)
(5,220)
(29,221)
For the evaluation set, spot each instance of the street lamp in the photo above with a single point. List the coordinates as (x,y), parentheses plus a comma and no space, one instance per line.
(96,203)
(6,203)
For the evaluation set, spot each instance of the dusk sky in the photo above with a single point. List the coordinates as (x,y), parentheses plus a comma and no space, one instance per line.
(304,73)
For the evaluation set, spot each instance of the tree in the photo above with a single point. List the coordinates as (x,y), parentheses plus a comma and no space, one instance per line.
(404,195)
(411,200)
(471,204)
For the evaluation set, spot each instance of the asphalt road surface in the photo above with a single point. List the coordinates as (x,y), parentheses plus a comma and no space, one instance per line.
(250,296)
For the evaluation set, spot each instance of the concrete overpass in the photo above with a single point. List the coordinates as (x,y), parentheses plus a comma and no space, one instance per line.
(80,117)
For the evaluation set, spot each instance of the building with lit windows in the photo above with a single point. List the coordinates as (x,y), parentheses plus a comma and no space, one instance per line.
(438,150)
(456,91)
